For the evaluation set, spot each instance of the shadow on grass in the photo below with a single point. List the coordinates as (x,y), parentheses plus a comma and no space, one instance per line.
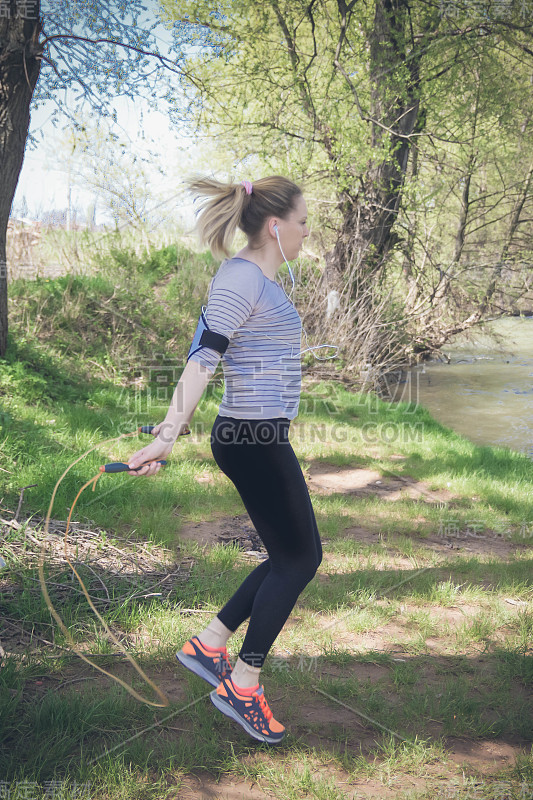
(420,584)
(495,469)
(36,455)
(56,724)
(56,717)
(42,380)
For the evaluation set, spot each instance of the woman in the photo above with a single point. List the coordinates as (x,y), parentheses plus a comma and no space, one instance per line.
(258,329)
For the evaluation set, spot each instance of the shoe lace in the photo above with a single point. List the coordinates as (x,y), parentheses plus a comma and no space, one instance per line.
(264,705)
(224,662)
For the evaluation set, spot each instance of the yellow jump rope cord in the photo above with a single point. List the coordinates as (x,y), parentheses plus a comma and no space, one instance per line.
(164,699)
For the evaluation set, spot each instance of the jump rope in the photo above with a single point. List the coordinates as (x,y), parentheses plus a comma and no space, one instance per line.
(115,467)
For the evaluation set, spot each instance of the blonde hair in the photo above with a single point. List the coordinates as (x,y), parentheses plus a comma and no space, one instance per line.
(227,206)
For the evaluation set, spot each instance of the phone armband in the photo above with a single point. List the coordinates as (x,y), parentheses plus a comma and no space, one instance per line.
(204,337)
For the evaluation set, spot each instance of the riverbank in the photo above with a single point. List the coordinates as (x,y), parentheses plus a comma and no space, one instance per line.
(484,387)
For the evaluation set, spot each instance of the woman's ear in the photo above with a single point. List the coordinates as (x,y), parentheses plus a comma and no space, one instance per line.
(273,227)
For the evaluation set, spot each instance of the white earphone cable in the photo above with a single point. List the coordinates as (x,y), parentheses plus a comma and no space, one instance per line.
(308,349)
(288,296)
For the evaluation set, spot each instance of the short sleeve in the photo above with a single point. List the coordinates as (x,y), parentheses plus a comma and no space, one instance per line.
(234,293)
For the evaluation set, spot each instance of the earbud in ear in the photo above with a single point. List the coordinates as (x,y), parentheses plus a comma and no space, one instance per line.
(275,226)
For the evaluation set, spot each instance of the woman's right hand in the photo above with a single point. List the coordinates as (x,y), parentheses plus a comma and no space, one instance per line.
(165,438)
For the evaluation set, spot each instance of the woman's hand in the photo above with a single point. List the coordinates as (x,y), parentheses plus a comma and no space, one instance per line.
(186,397)
(165,438)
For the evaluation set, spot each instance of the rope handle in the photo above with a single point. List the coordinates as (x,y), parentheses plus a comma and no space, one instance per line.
(120,466)
(164,699)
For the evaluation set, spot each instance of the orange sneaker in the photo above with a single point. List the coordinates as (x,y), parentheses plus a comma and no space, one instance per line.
(210,663)
(250,709)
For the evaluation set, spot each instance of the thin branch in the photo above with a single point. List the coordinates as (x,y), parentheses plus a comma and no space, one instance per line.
(366,118)
(163,59)
(42,57)
(315,49)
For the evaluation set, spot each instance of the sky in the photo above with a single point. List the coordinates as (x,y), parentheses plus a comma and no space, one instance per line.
(44,182)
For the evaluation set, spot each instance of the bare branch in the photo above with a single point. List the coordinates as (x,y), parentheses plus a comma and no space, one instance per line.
(166,62)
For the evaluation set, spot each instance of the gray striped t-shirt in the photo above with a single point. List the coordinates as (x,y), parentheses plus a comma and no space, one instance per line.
(262,368)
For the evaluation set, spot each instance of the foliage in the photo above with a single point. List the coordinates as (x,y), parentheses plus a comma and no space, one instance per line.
(413,196)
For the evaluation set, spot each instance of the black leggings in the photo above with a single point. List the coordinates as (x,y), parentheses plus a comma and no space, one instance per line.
(258,458)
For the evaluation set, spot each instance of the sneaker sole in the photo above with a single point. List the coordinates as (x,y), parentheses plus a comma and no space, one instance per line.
(230,712)
(198,669)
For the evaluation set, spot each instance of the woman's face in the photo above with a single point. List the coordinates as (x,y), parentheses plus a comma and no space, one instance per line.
(293,229)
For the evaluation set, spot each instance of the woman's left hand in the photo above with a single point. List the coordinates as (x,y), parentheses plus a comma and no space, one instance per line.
(160,448)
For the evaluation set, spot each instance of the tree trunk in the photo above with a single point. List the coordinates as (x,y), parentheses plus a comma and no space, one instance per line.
(366,236)
(19,70)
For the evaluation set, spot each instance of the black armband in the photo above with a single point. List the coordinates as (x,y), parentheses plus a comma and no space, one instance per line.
(204,337)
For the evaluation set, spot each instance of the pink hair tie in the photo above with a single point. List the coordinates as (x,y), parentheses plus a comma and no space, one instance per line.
(248,186)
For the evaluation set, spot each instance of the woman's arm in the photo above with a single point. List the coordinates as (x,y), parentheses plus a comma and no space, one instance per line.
(187,394)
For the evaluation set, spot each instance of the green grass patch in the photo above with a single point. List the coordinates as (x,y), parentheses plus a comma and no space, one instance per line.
(433,643)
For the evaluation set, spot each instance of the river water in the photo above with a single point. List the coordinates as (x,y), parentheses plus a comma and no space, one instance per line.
(486,391)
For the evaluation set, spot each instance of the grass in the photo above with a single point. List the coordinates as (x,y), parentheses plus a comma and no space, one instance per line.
(431,642)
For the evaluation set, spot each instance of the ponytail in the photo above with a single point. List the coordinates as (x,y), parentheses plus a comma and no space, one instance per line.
(228,206)
(220,212)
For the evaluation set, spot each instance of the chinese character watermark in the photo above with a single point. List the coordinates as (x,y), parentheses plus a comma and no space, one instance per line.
(49,790)
(302,663)
(475,529)
(452,529)
(484,10)
(23,9)
(500,790)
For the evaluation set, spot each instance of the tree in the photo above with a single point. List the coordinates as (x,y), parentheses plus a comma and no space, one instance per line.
(475,240)
(96,49)
(20,65)
(352,95)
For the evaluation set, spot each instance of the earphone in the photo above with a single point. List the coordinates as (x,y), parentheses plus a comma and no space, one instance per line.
(287,263)
(288,296)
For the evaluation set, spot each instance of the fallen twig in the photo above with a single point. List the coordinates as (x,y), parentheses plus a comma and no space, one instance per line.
(32,635)
(21,497)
